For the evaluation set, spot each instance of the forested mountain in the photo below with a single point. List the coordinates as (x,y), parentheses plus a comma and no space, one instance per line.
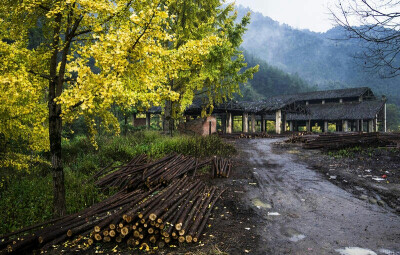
(318,58)
(271,81)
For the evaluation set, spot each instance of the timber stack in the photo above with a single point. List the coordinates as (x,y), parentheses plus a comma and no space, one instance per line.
(221,168)
(163,206)
(135,176)
(345,140)
(246,135)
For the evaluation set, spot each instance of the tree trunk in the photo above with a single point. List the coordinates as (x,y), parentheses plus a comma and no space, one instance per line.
(168,119)
(126,124)
(55,125)
(55,128)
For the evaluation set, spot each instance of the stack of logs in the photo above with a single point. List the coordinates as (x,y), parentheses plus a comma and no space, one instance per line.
(245,135)
(134,175)
(344,140)
(175,215)
(221,167)
(157,204)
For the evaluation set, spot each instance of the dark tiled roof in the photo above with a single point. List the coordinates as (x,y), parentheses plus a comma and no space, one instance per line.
(289,103)
(330,94)
(345,111)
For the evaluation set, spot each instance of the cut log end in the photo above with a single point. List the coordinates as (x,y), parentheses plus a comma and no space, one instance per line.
(124,231)
(97,237)
(178,226)
(189,238)
(153,217)
(161,244)
(90,241)
(153,239)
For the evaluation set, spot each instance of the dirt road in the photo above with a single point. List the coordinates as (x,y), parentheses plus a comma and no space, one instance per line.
(303,213)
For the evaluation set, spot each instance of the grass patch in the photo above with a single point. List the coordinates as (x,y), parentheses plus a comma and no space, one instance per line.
(27,200)
(364,152)
(26,197)
(345,153)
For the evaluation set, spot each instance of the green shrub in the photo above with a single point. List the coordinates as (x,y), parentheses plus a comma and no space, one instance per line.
(27,200)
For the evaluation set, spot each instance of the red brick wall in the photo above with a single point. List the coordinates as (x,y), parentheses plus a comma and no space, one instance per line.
(199,126)
(140,122)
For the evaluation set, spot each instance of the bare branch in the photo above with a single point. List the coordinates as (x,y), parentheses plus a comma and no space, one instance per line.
(376,24)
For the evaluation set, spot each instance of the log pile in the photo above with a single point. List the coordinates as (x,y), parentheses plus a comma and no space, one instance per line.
(221,167)
(246,135)
(344,140)
(137,174)
(162,206)
(301,137)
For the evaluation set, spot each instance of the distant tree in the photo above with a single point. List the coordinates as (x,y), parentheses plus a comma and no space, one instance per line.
(218,74)
(376,22)
(393,117)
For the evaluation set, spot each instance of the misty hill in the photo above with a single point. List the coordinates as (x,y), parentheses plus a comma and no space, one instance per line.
(315,57)
(271,81)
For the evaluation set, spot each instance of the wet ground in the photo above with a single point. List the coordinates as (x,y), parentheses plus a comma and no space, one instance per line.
(371,174)
(301,212)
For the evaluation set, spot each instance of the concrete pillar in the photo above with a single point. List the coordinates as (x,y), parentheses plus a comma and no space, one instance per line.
(357,125)
(291,126)
(228,123)
(360,99)
(361,125)
(384,119)
(223,123)
(325,126)
(253,123)
(323,101)
(306,102)
(376,123)
(148,120)
(370,126)
(308,125)
(345,126)
(278,122)
(341,100)
(296,126)
(262,123)
(284,122)
(245,122)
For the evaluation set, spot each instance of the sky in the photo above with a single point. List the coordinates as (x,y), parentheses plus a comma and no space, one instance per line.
(303,14)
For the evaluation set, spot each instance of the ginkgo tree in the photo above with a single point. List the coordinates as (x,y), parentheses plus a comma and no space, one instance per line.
(218,75)
(48,85)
